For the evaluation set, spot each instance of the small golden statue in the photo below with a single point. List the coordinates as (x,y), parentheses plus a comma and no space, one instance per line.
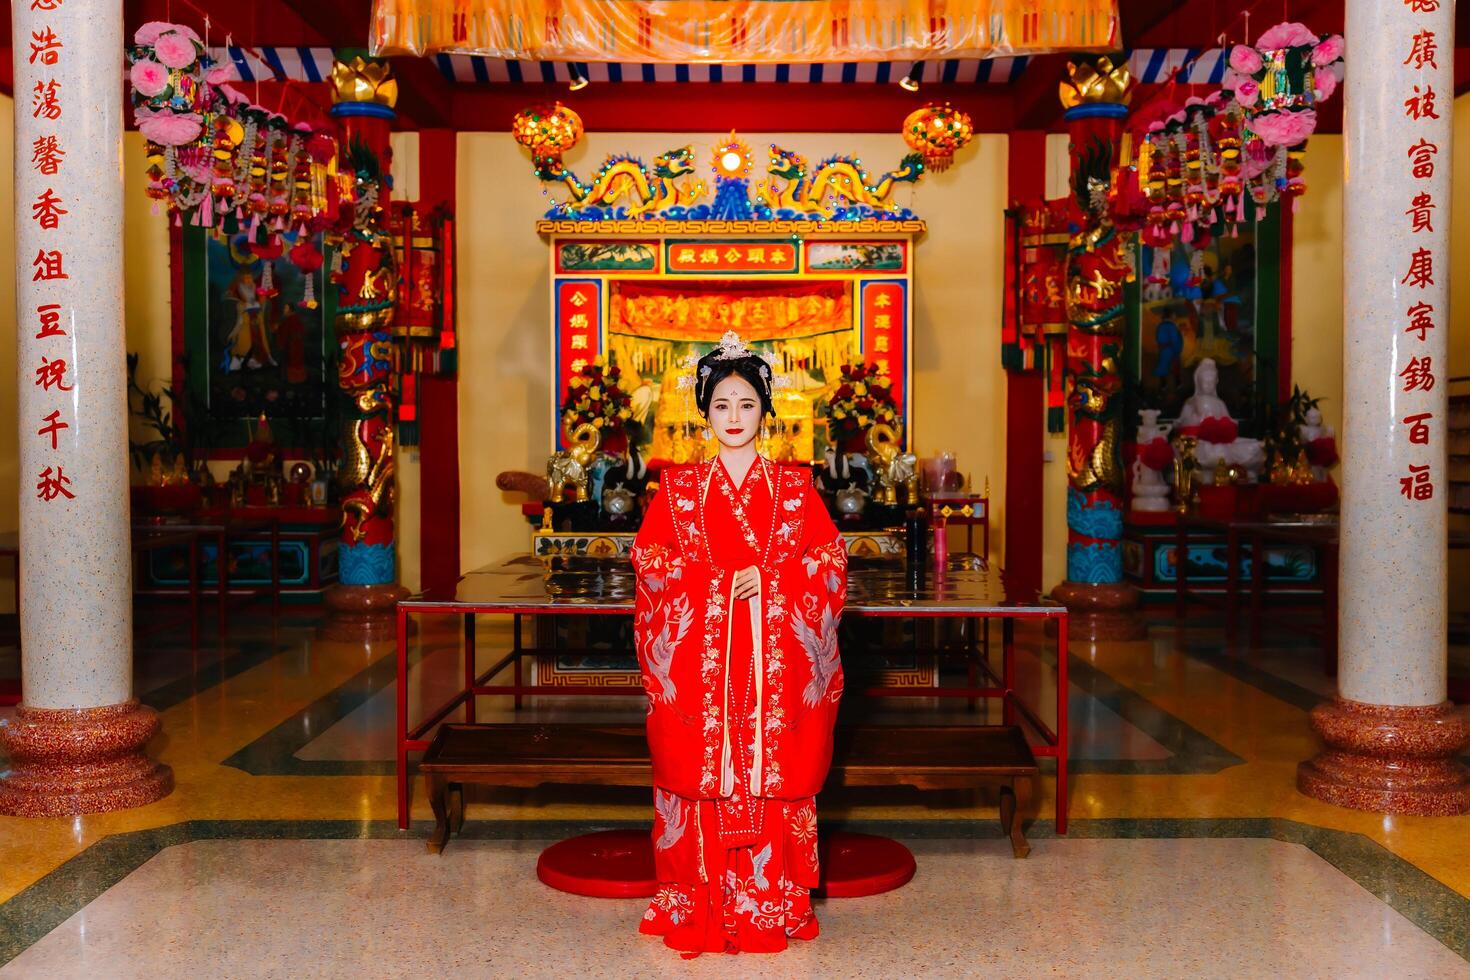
(570,465)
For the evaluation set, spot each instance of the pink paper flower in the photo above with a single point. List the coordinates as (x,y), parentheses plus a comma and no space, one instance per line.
(175,50)
(149,78)
(1289,35)
(170,128)
(1324,81)
(1247,92)
(1330,50)
(220,74)
(1245,59)
(1284,128)
(150,32)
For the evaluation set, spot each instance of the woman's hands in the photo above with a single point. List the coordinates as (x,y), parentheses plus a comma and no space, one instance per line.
(747,582)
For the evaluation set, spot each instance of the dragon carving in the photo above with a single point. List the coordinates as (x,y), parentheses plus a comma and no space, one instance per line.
(624,179)
(836,177)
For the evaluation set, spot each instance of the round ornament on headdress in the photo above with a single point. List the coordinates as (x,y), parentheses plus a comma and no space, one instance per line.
(937,132)
(547,131)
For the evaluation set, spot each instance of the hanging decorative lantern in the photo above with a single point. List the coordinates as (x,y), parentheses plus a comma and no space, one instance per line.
(547,131)
(937,132)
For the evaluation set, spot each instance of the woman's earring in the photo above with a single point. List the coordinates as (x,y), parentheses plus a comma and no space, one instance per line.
(708,434)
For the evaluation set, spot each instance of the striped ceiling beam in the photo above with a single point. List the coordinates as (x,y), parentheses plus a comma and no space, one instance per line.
(1149,66)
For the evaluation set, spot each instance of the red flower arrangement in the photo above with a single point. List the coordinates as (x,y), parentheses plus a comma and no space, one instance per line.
(1215,429)
(863,398)
(593,397)
(1322,452)
(1157,454)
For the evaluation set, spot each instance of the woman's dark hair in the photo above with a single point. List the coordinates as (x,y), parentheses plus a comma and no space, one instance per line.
(753,369)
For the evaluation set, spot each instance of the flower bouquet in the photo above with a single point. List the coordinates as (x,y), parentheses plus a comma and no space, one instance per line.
(594,398)
(863,397)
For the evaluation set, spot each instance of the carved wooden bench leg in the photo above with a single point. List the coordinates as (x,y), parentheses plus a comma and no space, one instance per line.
(1009,825)
(456,807)
(438,793)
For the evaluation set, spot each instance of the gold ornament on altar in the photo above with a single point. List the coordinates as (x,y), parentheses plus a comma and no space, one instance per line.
(938,132)
(1096,80)
(570,465)
(547,131)
(893,469)
(361,80)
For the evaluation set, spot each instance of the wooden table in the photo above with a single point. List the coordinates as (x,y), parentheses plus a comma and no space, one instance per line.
(582,586)
(223,531)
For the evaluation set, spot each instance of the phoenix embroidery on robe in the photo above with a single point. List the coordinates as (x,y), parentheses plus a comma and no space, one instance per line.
(671,811)
(820,645)
(678,617)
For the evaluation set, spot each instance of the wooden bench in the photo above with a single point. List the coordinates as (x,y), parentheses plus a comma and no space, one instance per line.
(926,757)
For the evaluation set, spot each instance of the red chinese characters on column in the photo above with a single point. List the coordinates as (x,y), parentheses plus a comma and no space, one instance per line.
(1423,51)
(1417,6)
(1420,105)
(1418,428)
(1421,269)
(1416,485)
(46,210)
(48,315)
(49,375)
(50,487)
(1421,319)
(46,100)
(1421,159)
(45,4)
(45,46)
(46,154)
(1419,375)
(47,264)
(1421,213)
(53,425)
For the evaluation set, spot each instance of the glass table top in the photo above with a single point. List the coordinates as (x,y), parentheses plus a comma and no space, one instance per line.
(876,586)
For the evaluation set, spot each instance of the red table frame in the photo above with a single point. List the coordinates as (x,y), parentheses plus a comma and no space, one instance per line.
(416,739)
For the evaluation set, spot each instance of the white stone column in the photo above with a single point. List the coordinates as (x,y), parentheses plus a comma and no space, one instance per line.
(1391,734)
(76,741)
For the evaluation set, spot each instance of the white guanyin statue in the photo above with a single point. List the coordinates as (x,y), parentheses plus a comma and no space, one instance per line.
(1311,430)
(1206,403)
(1150,492)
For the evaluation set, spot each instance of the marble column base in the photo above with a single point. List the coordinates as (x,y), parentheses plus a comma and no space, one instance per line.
(362,613)
(1389,759)
(1100,612)
(66,761)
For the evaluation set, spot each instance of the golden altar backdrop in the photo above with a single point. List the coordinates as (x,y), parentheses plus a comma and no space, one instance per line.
(647,294)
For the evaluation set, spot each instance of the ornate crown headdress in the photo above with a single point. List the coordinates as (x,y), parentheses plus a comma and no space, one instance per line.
(730,348)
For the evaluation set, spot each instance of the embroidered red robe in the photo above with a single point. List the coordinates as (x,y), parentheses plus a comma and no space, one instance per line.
(742,698)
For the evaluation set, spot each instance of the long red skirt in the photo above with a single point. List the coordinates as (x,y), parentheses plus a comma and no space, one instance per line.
(734,874)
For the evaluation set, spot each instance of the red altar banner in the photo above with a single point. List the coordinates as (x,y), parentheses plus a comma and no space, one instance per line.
(742,31)
(758,310)
(706,257)
(578,329)
(885,311)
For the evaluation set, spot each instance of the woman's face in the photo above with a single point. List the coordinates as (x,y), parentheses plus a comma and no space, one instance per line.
(735,412)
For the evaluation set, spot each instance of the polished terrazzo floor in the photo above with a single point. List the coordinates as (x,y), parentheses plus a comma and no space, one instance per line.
(1190,852)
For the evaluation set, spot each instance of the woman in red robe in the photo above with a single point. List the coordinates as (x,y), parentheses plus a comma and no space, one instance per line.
(741,581)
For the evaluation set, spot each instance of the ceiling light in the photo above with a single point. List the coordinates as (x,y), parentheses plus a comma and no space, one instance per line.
(578,82)
(910,82)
